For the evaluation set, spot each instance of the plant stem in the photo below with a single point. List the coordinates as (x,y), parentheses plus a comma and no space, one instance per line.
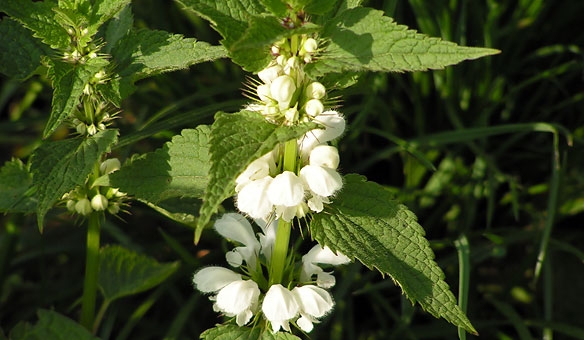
(280,251)
(91,271)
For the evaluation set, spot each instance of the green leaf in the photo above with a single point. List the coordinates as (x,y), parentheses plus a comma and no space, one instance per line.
(145,53)
(276,7)
(58,167)
(21,52)
(362,39)
(51,326)
(180,210)
(364,222)
(232,332)
(69,80)
(247,29)
(39,17)
(120,26)
(15,185)
(314,7)
(237,140)
(103,10)
(123,272)
(179,169)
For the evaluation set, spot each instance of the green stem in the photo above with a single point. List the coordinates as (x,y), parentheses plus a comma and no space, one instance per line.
(280,251)
(91,271)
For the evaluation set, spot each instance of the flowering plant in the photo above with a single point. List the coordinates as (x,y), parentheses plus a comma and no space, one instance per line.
(277,156)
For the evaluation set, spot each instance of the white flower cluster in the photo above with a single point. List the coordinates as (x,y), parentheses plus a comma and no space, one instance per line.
(301,302)
(287,96)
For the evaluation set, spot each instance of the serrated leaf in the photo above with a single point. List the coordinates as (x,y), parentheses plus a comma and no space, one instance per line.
(277,7)
(236,140)
(145,53)
(15,183)
(39,17)
(21,52)
(364,222)
(58,167)
(51,326)
(179,169)
(68,80)
(363,39)
(314,7)
(123,272)
(232,332)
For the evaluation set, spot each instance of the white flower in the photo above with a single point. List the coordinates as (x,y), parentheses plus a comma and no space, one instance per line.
(313,107)
(321,255)
(239,298)
(236,227)
(212,279)
(313,302)
(286,189)
(252,199)
(263,92)
(99,202)
(282,90)
(83,207)
(334,126)
(109,165)
(316,202)
(324,155)
(322,181)
(268,74)
(279,307)
(257,169)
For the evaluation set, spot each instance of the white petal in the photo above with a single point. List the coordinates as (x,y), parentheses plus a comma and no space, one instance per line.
(238,296)
(212,279)
(315,203)
(325,280)
(236,227)
(325,156)
(334,126)
(305,324)
(321,180)
(243,317)
(279,306)
(325,255)
(253,199)
(257,169)
(268,74)
(313,107)
(315,90)
(282,89)
(234,258)
(286,213)
(313,300)
(263,92)
(268,239)
(286,189)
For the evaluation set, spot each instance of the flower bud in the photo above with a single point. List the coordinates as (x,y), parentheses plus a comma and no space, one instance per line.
(71,205)
(99,202)
(81,128)
(282,90)
(109,165)
(91,130)
(310,45)
(83,207)
(315,90)
(313,107)
(113,208)
(291,114)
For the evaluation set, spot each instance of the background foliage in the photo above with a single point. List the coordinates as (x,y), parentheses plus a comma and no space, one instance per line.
(488,154)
